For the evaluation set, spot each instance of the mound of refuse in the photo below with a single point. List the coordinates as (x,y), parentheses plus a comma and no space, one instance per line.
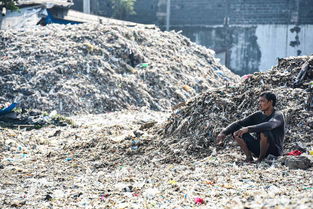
(99,68)
(194,127)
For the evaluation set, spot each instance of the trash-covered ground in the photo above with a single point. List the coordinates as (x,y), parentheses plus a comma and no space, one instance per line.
(112,161)
(102,68)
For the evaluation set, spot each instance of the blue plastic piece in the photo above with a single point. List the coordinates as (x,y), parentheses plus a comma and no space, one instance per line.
(8,109)
(50,19)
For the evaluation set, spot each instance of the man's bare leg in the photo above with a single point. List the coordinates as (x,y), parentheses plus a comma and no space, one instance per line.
(244,148)
(264,145)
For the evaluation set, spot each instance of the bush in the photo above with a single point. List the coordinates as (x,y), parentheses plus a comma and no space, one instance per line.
(123,8)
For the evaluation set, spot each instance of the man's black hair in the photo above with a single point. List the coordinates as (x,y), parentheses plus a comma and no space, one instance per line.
(269,96)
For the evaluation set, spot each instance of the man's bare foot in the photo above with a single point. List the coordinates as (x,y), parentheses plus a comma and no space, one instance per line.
(248,160)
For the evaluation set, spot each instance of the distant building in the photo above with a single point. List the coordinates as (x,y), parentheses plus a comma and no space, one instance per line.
(34,12)
(247,35)
(43,12)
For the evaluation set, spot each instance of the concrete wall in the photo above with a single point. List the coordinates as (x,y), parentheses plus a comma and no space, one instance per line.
(244,54)
(275,42)
(236,46)
(198,12)
(249,48)
(212,12)
(258,31)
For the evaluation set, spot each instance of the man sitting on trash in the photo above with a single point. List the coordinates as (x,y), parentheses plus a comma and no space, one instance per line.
(269,126)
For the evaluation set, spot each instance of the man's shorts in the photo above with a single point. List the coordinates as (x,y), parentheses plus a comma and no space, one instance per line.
(253,144)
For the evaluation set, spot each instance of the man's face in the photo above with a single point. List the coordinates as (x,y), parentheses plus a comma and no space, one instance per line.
(264,104)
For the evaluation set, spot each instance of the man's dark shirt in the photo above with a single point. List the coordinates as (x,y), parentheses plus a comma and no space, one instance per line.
(259,122)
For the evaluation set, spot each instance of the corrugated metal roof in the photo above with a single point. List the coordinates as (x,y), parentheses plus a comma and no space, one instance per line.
(63,3)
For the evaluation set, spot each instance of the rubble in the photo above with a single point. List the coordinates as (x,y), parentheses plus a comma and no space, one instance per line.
(93,165)
(296,162)
(116,159)
(193,128)
(101,68)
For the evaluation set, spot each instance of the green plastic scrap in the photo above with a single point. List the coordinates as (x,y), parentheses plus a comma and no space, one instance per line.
(144,65)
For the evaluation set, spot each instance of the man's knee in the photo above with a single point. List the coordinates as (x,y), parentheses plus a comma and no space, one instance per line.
(236,137)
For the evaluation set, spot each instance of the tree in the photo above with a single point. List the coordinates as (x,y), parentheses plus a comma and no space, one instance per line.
(9,4)
(123,8)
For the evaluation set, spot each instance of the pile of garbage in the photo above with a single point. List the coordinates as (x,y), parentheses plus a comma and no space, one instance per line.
(100,68)
(105,162)
(194,127)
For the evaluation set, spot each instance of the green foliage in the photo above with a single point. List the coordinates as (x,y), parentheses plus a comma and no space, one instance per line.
(123,8)
(9,4)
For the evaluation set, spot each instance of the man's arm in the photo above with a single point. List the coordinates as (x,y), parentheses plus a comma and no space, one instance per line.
(240,123)
(235,126)
(274,122)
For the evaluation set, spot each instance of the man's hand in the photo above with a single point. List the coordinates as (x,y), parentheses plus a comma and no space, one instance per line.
(220,139)
(241,132)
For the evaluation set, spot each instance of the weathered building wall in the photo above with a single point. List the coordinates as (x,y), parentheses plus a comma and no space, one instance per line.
(237,46)
(198,12)
(255,35)
(246,49)
(212,12)
(276,41)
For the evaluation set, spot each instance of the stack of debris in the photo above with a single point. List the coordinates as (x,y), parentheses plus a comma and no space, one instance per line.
(195,126)
(99,68)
